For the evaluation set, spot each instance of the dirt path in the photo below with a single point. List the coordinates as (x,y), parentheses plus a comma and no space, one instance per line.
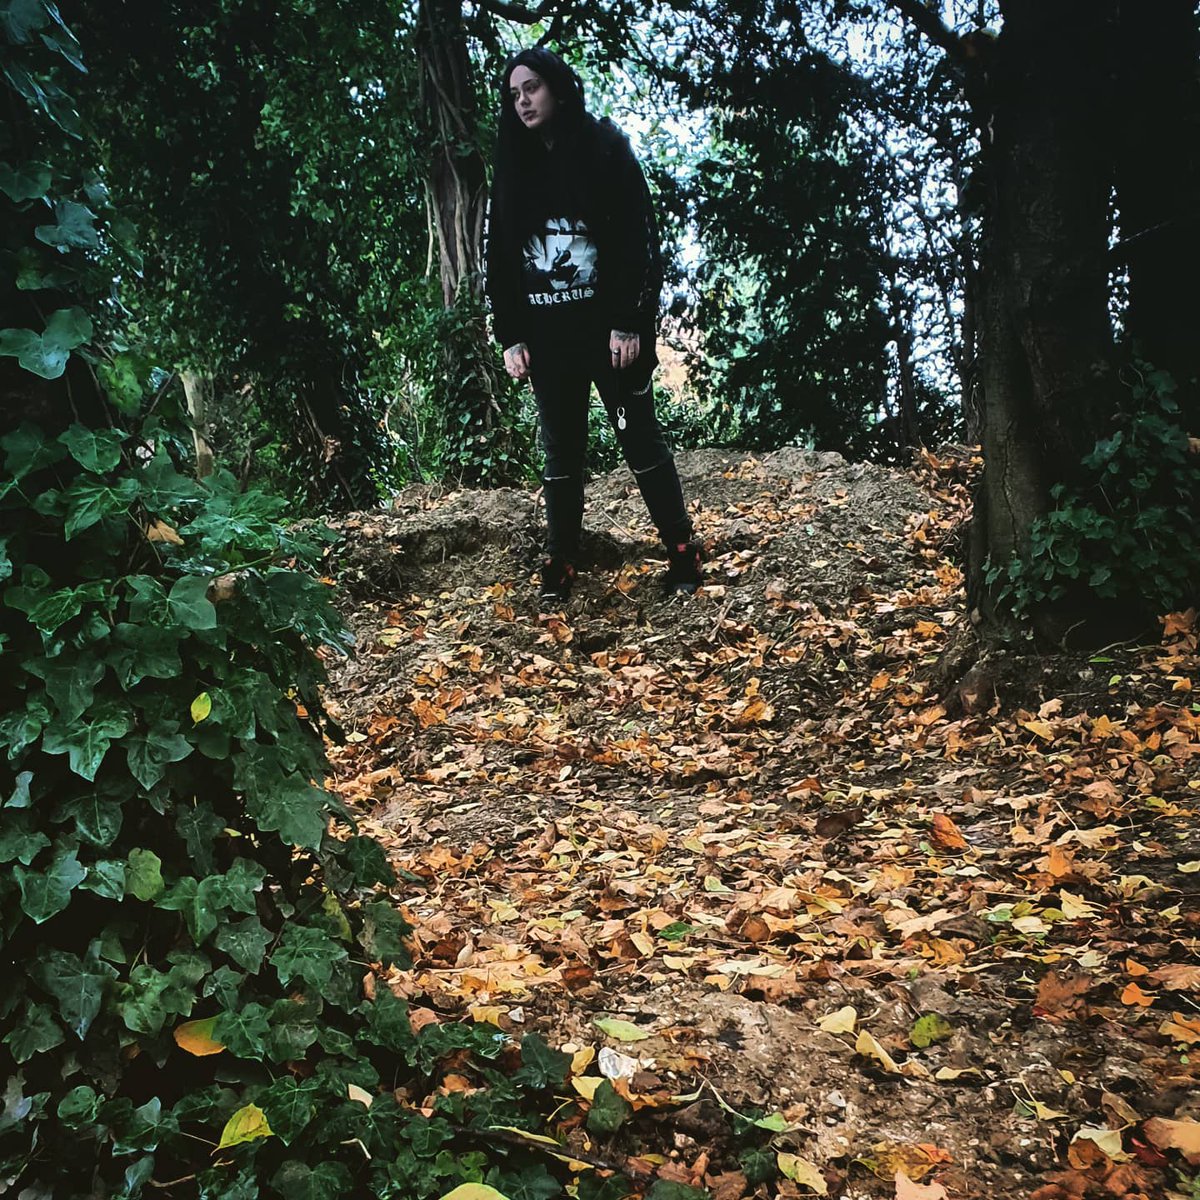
(950,938)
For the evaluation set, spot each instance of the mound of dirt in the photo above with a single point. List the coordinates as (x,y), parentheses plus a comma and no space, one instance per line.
(932,935)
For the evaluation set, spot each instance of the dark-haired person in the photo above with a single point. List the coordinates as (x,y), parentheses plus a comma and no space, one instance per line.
(573,276)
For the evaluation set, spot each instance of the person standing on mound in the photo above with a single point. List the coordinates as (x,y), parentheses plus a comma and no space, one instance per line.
(573,276)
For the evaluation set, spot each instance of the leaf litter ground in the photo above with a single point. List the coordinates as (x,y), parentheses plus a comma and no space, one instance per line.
(750,851)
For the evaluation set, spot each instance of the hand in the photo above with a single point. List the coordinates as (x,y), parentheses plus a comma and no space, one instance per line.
(516,361)
(625,347)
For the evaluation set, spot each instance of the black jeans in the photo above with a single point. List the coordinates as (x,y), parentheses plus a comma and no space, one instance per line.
(562,372)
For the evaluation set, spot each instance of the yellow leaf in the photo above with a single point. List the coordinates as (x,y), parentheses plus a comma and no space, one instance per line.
(1109,1140)
(486,1014)
(359,1094)
(842,1021)
(474,1191)
(643,944)
(586,1085)
(1040,728)
(947,1074)
(803,1172)
(869,1047)
(196,1037)
(582,1059)
(623,1031)
(1190,868)
(1074,907)
(713,884)
(201,707)
(246,1125)
(160,531)
(1044,1112)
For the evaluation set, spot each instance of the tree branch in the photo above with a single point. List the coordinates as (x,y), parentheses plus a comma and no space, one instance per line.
(521,13)
(931,26)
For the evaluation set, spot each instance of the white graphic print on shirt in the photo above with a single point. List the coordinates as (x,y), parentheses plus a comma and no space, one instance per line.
(560,263)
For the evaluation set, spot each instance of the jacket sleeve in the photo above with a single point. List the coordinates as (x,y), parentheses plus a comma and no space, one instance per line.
(502,281)
(635,274)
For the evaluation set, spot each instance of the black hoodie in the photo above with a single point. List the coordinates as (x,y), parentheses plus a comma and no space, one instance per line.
(572,239)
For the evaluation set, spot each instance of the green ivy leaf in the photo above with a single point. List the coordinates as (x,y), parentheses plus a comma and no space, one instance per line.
(36,1033)
(106,878)
(30,181)
(148,754)
(289,1106)
(245,942)
(18,839)
(74,228)
(97,450)
(97,818)
(195,903)
(87,744)
(243,1032)
(299,1181)
(143,874)
(383,933)
(306,953)
(367,861)
(189,605)
(47,892)
(78,1107)
(76,983)
(541,1066)
(60,606)
(46,354)
(609,1111)
(89,500)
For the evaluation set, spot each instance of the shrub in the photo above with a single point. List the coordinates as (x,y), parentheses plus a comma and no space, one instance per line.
(1128,535)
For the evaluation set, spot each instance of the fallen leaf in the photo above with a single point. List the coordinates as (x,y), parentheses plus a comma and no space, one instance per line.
(1183,1136)
(1132,994)
(930,1028)
(1181,1029)
(623,1031)
(842,1021)
(1109,1140)
(908,1189)
(160,531)
(868,1046)
(946,835)
(474,1191)
(800,1170)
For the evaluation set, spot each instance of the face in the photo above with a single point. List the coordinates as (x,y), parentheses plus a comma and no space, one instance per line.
(534,101)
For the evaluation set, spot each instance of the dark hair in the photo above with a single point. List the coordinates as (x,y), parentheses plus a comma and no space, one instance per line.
(521,153)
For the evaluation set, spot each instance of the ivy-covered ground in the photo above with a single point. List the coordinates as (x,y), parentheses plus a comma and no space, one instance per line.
(830,913)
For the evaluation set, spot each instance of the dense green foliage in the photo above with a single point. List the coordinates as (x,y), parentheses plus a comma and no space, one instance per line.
(193,931)
(1128,534)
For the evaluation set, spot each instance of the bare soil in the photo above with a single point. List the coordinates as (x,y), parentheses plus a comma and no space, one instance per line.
(724,818)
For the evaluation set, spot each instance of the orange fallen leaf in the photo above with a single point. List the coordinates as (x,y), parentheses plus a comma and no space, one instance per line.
(946,834)
(1183,1136)
(1134,995)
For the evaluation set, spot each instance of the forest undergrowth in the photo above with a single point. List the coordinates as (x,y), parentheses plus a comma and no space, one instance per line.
(810,919)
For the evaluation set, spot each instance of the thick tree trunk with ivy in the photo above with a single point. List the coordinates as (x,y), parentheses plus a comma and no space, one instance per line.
(1045,333)
(1158,187)
(477,433)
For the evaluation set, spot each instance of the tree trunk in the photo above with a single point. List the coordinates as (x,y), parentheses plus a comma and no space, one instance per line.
(910,422)
(197,389)
(1158,187)
(1045,332)
(457,193)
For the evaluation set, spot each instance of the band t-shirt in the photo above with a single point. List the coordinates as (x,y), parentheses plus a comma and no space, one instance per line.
(558,268)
